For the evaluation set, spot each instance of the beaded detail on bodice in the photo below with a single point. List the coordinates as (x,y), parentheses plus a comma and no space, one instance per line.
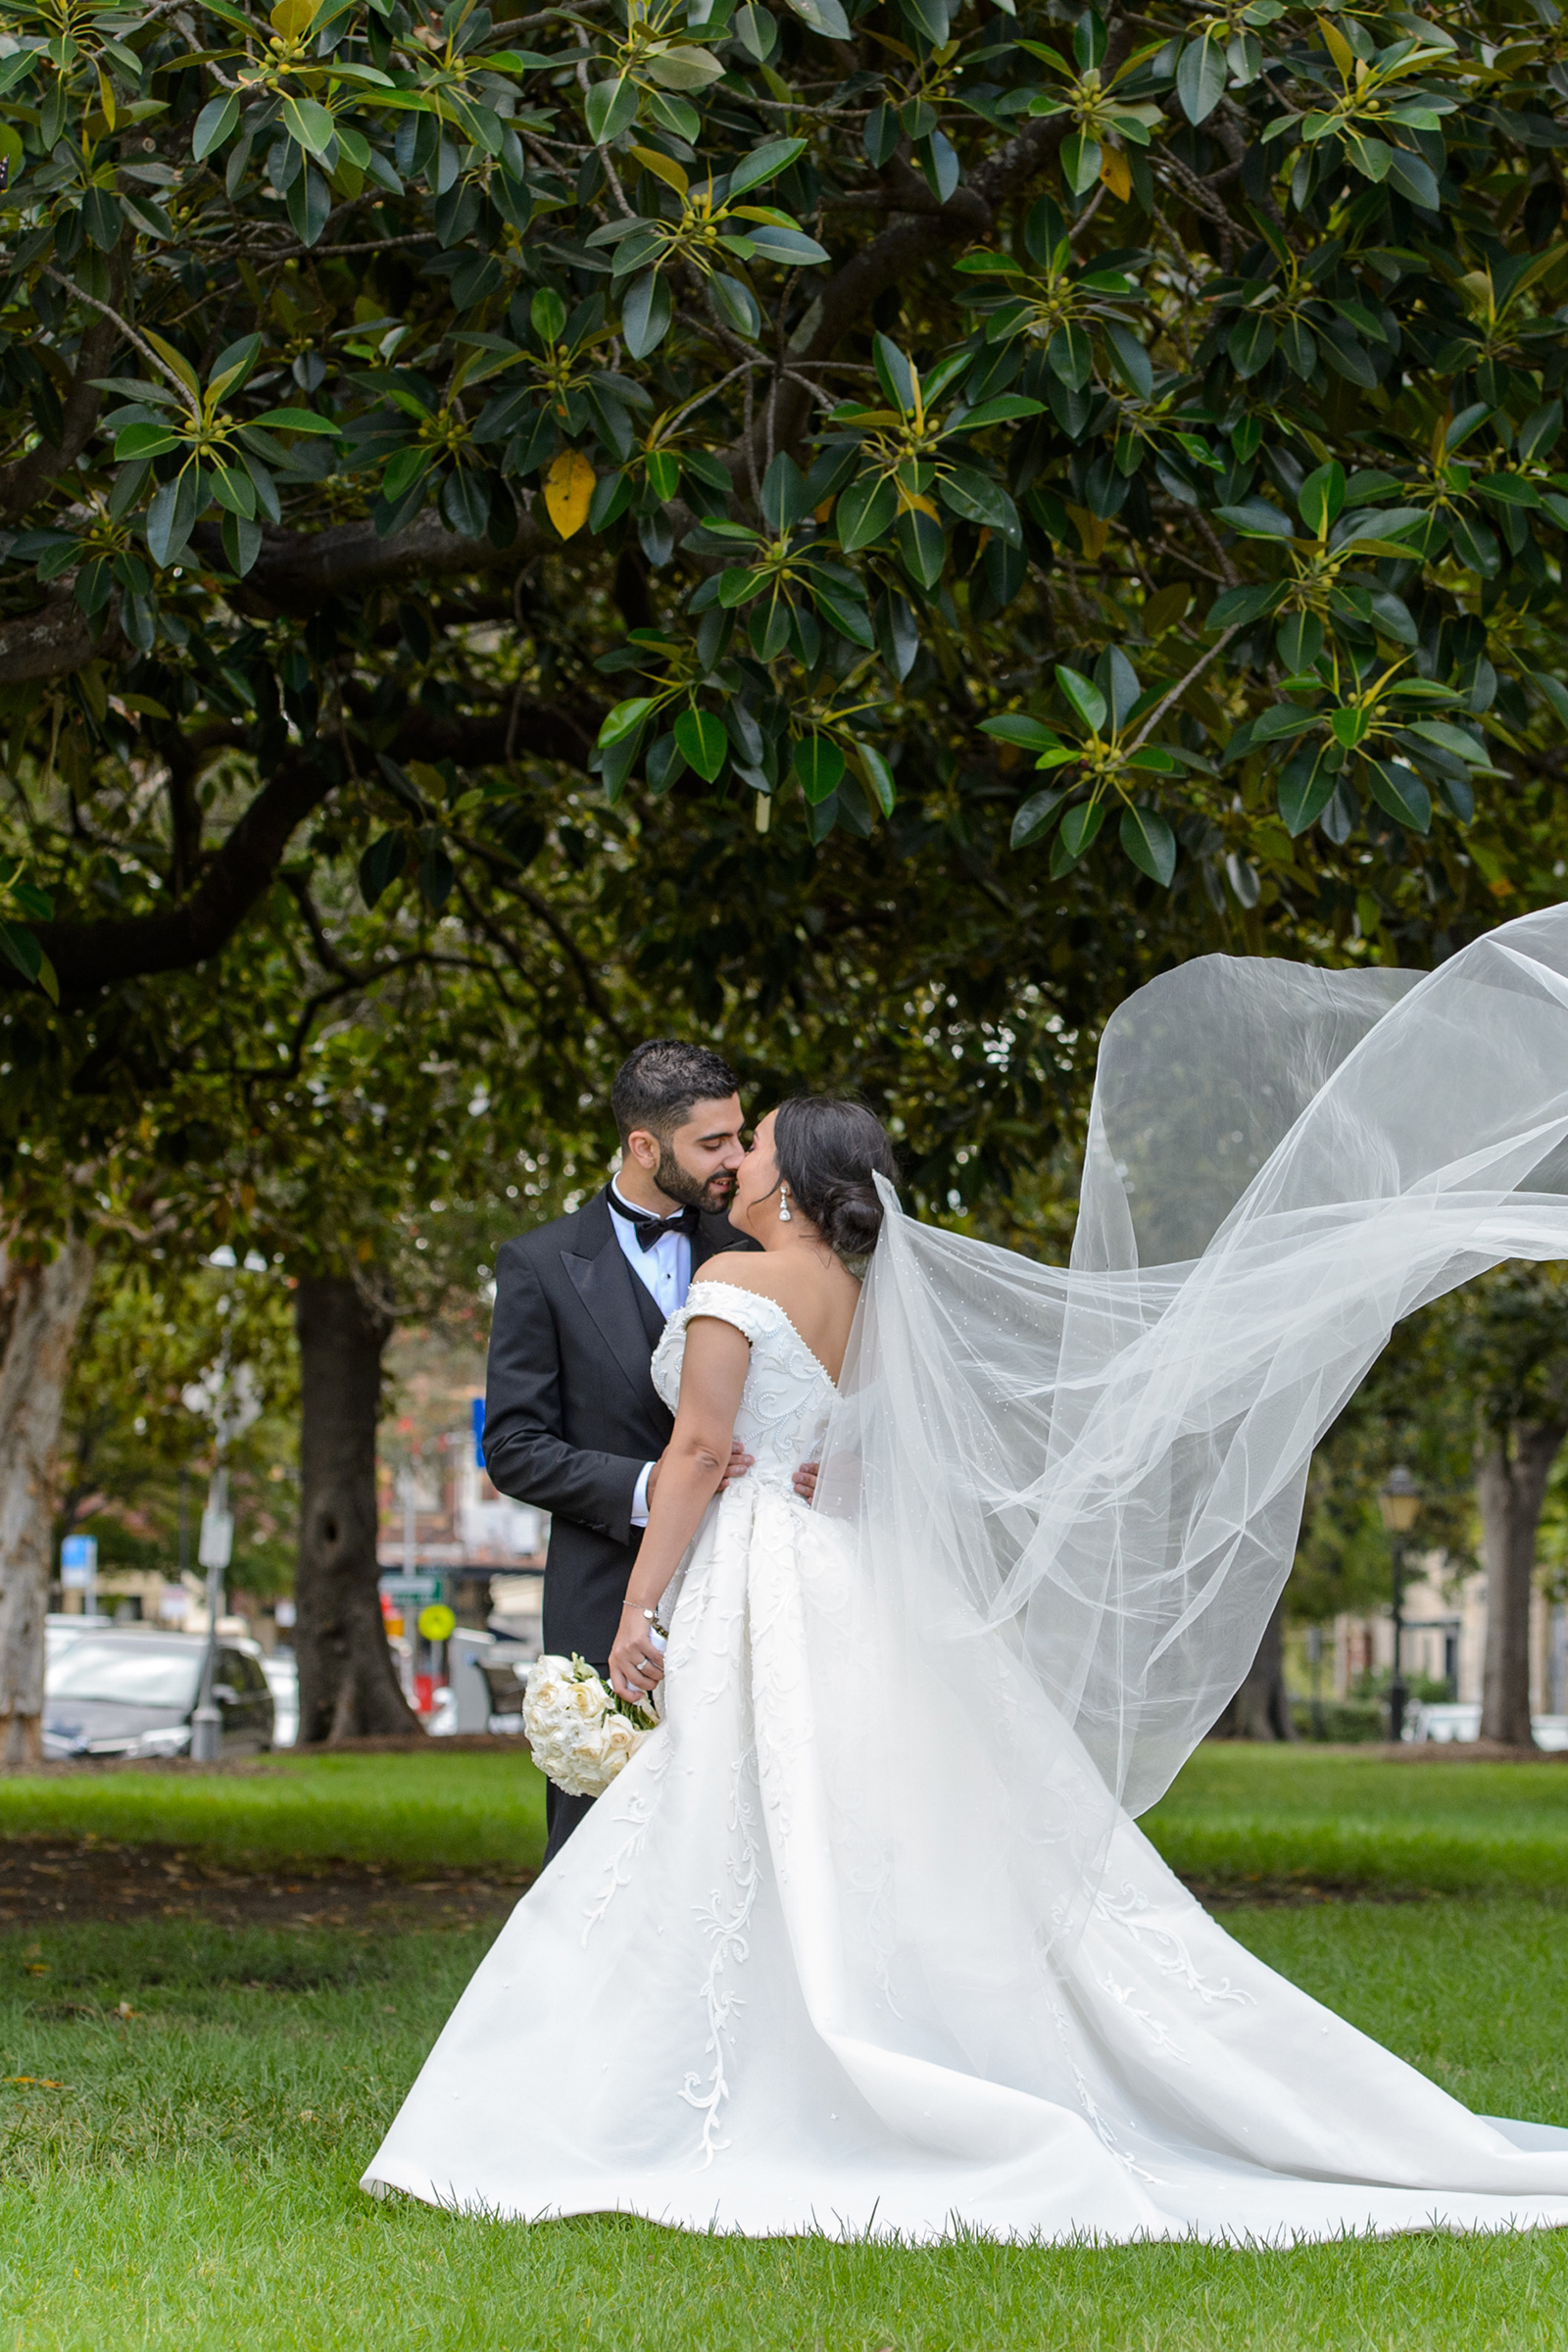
(788,1394)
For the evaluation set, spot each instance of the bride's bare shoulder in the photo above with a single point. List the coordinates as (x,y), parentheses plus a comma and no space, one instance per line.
(794,1280)
(743,1269)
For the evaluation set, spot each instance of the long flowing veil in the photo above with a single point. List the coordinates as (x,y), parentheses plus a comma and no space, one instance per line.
(1073,1495)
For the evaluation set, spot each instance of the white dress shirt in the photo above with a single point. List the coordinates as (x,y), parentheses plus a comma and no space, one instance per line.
(665,1273)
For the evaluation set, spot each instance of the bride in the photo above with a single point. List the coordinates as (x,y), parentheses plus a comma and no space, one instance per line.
(865,1937)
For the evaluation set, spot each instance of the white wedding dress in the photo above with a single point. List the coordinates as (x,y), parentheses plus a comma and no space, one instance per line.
(854,1943)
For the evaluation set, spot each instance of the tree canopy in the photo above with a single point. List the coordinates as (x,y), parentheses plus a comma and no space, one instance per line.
(503,443)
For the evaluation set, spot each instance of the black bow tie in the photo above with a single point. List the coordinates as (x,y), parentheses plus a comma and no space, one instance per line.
(649,1228)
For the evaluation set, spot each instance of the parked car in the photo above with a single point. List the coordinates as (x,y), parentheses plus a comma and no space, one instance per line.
(283,1681)
(124,1692)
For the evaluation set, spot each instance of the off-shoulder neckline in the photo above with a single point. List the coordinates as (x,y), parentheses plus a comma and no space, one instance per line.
(716,1282)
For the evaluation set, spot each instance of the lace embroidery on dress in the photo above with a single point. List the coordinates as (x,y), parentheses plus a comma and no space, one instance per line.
(727,1932)
(788,1392)
(1169,1953)
(638,1813)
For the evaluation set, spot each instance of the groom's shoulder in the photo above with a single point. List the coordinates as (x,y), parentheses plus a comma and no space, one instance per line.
(542,1244)
(721,1235)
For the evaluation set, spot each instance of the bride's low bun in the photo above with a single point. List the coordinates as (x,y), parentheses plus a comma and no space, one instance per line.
(829,1153)
(850,1218)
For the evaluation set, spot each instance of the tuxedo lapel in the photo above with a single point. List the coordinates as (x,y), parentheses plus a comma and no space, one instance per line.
(607,1288)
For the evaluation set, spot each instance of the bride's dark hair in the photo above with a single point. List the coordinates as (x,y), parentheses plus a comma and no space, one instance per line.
(828,1151)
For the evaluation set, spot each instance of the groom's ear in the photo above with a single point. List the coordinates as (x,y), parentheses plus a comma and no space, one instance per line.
(643,1147)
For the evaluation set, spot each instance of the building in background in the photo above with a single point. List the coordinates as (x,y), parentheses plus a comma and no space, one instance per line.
(444,1532)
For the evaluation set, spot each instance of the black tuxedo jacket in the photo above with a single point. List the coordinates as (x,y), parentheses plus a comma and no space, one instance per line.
(571,1410)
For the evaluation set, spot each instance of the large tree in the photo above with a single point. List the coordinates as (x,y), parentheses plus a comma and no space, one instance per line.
(1191,382)
(653,459)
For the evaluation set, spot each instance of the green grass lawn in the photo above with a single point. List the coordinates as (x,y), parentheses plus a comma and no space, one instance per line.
(1235,1813)
(411,1812)
(180,2170)
(1240,1812)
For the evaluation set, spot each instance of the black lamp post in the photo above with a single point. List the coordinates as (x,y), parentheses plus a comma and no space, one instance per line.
(1399,1501)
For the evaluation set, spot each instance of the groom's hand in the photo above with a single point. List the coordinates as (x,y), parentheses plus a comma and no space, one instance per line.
(740,1462)
(806,1480)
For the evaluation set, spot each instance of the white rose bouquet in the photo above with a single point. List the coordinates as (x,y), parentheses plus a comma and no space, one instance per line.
(580,1731)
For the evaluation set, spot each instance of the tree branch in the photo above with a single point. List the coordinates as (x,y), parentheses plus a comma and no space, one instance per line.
(298,572)
(57,638)
(23,484)
(90,956)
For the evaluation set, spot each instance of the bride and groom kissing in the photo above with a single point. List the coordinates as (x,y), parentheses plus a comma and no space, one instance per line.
(864,1938)
(572,1422)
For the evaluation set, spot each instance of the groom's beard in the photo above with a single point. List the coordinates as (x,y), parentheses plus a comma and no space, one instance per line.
(676,1183)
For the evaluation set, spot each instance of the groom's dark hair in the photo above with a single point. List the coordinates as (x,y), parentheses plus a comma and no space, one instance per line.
(659,1083)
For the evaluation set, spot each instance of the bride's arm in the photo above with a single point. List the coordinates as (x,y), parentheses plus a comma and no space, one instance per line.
(691,1469)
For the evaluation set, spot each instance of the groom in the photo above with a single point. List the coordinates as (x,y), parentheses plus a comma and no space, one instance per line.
(573,1421)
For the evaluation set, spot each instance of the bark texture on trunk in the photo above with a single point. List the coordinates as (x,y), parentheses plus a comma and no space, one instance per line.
(1511,1473)
(348,1683)
(40,1308)
(1260,1709)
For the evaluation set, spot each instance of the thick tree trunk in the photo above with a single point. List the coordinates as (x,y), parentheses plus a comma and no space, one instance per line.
(1262,1709)
(1511,1473)
(348,1683)
(40,1308)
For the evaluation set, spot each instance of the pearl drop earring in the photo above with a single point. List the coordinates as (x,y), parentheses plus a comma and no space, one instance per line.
(784,1216)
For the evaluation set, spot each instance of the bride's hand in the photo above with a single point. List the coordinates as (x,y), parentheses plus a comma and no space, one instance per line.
(635,1665)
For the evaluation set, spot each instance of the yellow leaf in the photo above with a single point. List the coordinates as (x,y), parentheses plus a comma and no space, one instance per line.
(663,167)
(291,18)
(1115,171)
(1092,531)
(106,98)
(569,487)
(915,501)
(1338,47)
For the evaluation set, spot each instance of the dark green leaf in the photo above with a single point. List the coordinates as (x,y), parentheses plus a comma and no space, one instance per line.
(1017,727)
(1321,498)
(922,545)
(1200,76)
(1035,815)
(435,877)
(214,123)
(864,513)
(1401,791)
(1084,699)
(645,314)
(820,764)
(1150,843)
(1241,605)
(704,743)
(1414,179)
(1080,826)
(610,109)
(382,865)
(763,164)
(1251,343)
(784,498)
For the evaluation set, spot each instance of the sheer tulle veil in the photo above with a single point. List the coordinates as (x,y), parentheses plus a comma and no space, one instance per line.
(1072,1496)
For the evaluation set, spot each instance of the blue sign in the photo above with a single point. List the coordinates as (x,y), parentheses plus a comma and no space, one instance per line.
(78,1562)
(478,1433)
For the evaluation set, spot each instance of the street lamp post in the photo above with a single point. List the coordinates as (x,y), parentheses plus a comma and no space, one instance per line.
(214,1552)
(1399,1503)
